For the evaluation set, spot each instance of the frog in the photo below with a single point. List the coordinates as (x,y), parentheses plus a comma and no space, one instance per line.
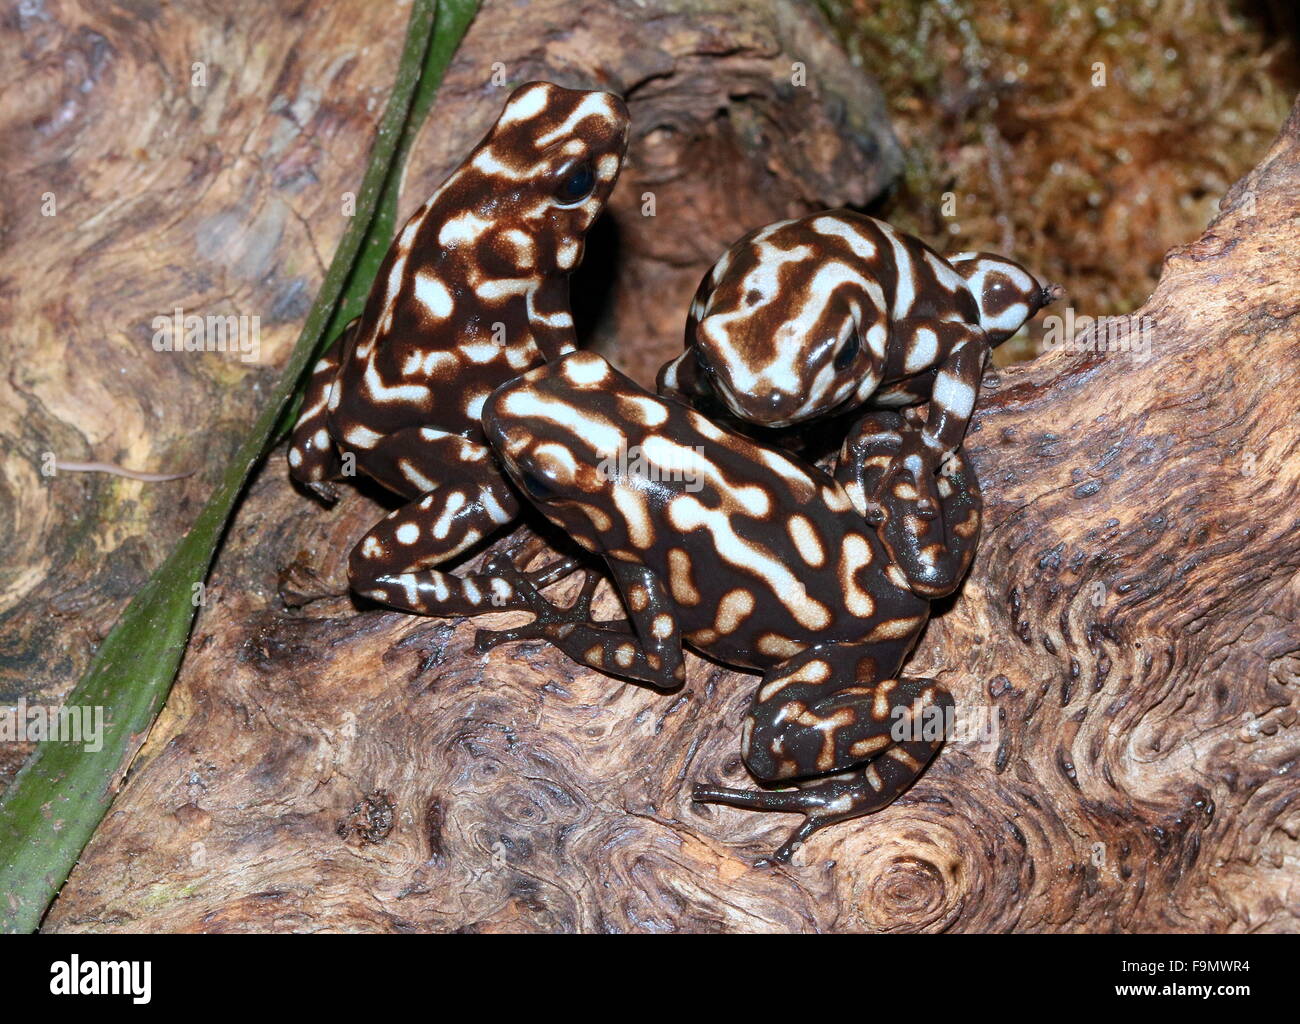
(755,559)
(473,291)
(809,317)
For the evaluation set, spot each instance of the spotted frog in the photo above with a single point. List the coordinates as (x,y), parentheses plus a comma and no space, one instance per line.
(806,318)
(756,559)
(473,292)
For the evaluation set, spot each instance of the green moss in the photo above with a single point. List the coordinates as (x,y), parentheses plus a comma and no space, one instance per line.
(1002,105)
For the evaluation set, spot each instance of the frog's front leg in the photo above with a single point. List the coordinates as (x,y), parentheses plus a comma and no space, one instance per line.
(956,385)
(951,388)
(647,646)
(550,319)
(683,379)
(850,741)
(909,391)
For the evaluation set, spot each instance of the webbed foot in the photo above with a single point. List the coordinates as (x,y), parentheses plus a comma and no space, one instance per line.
(550,618)
(823,804)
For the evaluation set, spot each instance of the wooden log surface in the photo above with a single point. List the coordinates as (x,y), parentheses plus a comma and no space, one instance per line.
(1129,626)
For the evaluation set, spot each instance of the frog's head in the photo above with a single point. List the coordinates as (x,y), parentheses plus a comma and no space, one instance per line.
(1007,294)
(777,350)
(554,429)
(537,182)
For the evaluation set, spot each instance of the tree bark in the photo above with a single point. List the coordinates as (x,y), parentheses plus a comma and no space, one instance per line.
(1129,625)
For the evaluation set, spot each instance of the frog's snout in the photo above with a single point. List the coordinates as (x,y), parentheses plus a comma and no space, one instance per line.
(1048,294)
(762,402)
(769,406)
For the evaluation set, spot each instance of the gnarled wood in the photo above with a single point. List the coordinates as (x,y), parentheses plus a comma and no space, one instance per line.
(1130,625)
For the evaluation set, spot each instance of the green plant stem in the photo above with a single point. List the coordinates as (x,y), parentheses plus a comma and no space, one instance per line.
(53,806)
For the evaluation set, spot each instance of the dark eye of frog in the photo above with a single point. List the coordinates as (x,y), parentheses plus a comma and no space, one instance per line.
(703,363)
(538,487)
(847,353)
(576,184)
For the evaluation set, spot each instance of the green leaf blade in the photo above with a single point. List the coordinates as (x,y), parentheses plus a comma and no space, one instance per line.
(57,800)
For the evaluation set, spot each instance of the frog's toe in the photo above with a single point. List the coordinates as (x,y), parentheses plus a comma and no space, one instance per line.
(486,639)
(323,489)
(795,801)
(789,801)
(551,625)
(522,593)
(799,836)
(873,512)
(500,565)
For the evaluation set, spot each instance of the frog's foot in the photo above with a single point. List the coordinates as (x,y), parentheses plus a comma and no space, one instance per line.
(850,746)
(645,647)
(324,490)
(551,620)
(828,800)
(907,480)
(824,803)
(885,465)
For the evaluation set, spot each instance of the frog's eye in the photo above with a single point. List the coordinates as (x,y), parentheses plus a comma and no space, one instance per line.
(998,289)
(848,352)
(576,184)
(538,487)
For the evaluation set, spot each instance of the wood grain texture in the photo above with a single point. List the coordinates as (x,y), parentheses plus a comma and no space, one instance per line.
(223,198)
(1130,625)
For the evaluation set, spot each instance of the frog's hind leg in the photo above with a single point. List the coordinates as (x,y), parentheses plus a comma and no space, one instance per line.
(646,646)
(394,563)
(460,498)
(851,749)
(313,457)
(929,522)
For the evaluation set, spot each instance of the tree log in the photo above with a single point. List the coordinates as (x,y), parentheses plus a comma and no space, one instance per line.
(1129,627)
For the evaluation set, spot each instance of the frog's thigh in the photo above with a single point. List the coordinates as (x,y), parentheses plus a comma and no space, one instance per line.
(956,384)
(415,461)
(824,711)
(394,562)
(313,457)
(877,737)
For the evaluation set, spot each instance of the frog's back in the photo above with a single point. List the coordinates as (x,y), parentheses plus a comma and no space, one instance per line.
(803,316)
(764,554)
(902,266)
(760,553)
(474,290)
